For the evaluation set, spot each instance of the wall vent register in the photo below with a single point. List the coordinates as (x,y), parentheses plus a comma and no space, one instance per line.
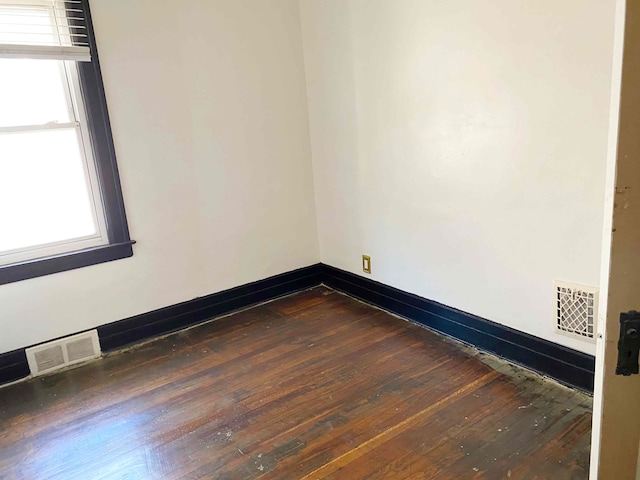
(62,353)
(576,308)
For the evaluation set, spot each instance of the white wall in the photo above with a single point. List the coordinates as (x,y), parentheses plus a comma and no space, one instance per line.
(462,145)
(209,116)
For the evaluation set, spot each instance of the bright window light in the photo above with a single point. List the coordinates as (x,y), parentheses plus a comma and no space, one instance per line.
(33,92)
(61,205)
(46,194)
(43,192)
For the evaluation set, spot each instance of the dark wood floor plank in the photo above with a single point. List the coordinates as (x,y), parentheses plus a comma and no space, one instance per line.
(315,385)
(412,453)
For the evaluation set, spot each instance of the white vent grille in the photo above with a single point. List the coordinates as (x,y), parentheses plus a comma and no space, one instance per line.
(49,358)
(80,349)
(576,309)
(64,352)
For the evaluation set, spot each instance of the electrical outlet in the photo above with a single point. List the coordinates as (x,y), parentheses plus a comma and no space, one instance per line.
(366,263)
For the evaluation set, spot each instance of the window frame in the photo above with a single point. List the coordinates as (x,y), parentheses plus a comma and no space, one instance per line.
(98,127)
(76,122)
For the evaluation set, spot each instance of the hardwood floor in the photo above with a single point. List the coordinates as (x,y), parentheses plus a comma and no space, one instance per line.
(312,386)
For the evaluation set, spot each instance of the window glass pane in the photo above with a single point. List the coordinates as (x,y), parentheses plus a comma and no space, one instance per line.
(32,92)
(44,196)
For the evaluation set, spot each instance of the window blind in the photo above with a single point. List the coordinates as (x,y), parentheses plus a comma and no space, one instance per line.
(43,29)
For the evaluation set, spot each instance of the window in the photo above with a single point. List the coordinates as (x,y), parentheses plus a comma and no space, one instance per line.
(60,199)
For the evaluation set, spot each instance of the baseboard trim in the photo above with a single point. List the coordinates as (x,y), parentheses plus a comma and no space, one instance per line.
(133,330)
(116,335)
(568,366)
(13,366)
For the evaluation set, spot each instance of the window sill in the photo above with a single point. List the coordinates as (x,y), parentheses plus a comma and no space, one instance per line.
(39,267)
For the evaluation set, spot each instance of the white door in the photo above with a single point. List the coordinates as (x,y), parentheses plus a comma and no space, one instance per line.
(616,422)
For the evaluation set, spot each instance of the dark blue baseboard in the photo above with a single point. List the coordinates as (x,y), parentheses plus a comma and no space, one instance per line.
(176,317)
(563,364)
(566,365)
(13,366)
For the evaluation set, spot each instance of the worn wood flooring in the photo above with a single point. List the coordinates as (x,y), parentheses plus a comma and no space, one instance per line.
(312,386)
